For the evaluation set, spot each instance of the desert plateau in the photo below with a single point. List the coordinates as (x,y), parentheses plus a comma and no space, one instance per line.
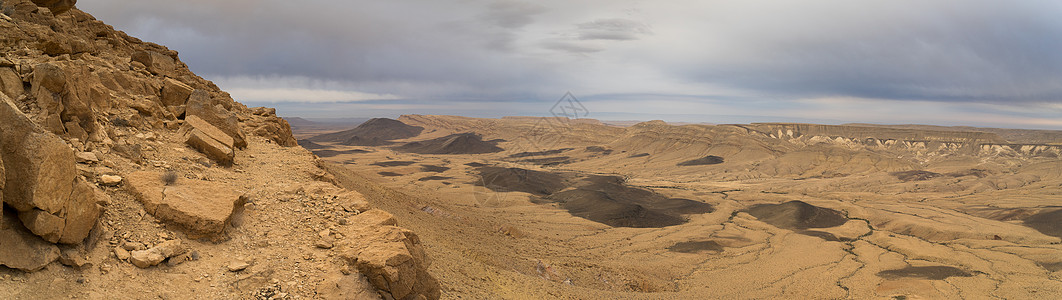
(267,175)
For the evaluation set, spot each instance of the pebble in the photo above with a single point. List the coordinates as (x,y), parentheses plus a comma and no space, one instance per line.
(238,265)
(87,157)
(324,243)
(110,180)
(122,254)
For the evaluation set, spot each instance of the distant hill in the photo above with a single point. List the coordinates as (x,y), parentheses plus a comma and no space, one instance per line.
(374,132)
(1020,136)
(461,143)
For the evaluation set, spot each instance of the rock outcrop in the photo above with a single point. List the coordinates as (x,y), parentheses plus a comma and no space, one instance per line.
(41,181)
(56,6)
(155,62)
(391,257)
(266,124)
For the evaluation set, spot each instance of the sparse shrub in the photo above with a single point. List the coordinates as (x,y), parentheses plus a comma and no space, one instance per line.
(119,121)
(169,178)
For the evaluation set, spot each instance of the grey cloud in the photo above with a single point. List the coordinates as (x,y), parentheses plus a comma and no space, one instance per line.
(511,14)
(612,29)
(952,51)
(570,46)
(942,51)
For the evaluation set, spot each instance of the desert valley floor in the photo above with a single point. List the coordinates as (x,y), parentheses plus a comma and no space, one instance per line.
(555,208)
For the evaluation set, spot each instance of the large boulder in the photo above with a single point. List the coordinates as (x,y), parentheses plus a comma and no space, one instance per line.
(156,63)
(22,250)
(391,257)
(56,6)
(209,140)
(203,208)
(41,180)
(201,105)
(175,95)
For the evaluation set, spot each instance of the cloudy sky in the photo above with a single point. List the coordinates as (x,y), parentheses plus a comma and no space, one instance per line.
(947,62)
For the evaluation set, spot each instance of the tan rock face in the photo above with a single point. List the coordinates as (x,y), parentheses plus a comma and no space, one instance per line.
(391,257)
(209,140)
(40,181)
(175,95)
(56,6)
(201,105)
(201,207)
(266,124)
(156,63)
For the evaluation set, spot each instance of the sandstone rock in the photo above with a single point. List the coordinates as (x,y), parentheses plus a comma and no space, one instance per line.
(209,140)
(41,180)
(21,249)
(344,287)
(86,157)
(144,258)
(392,258)
(352,201)
(43,224)
(121,253)
(74,130)
(175,95)
(264,111)
(56,6)
(237,265)
(201,207)
(372,218)
(10,83)
(156,63)
(110,180)
(150,257)
(325,243)
(73,256)
(131,245)
(201,105)
(55,48)
(278,130)
(47,83)
(81,213)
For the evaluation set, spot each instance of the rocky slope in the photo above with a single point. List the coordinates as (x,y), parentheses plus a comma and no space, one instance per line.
(126,175)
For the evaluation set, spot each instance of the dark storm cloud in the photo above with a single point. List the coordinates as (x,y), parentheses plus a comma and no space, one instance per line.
(372,44)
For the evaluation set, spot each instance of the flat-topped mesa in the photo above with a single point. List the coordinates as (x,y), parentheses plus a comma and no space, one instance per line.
(796,130)
(1042,150)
